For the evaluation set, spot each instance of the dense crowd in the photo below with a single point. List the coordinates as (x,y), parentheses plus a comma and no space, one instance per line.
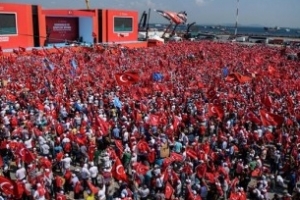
(186,120)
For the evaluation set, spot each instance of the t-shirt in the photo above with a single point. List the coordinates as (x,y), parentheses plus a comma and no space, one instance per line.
(45,149)
(177,147)
(67,162)
(90,197)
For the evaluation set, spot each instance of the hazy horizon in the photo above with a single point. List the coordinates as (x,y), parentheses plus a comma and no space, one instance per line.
(269,13)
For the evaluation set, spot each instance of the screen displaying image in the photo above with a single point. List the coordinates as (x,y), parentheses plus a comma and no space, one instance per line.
(8,24)
(122,24)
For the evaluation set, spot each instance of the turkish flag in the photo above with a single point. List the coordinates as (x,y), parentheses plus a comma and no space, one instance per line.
(154,120)
(118,171)
(238,77)
(211,93)
(119,145)
(104,125)
(267,101)
(22,49)
(19,189)
(242,78)
(176,122)
(93,188)
(170,175)
(140,168)
(215,110)
(78,187)
(253,118)
(127,78)
(167,162)
(234,183)
(7,186)
(142,146)
(29,156)
(191,153)
(168,191)
(81,139)
(59,128)
(269,137)
(176,157)
(270,119)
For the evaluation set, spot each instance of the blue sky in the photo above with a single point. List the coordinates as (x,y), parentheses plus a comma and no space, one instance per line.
(283,13)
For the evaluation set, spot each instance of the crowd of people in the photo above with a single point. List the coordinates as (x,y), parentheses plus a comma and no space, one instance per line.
(185,120)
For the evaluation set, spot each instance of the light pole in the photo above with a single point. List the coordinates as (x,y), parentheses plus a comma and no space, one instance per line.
(237,18)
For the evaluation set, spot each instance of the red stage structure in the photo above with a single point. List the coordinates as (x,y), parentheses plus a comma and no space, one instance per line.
(32,26)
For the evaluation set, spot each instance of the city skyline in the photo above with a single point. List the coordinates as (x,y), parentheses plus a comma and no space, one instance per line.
(271,13)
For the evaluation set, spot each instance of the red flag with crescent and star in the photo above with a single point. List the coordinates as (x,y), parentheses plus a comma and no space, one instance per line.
(252,117)
(238,77)
(103,125)
(140,168)
(19,189)
(154,120)
(142,146)
(7,186)
(270,119)
(177,157)
(215,110)
(118,171)
(168,191)
(93,188)
(127,78)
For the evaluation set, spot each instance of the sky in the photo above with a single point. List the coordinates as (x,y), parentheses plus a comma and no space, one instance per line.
(271,13)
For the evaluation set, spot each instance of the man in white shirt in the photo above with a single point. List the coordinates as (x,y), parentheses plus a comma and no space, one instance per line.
(143,192)
(85,175)
(94,173)
(39,194)
(21,173)
(28,142)
(65,139)
(45,149)
(102,192)
(66,163)
(74,180)
(41,140)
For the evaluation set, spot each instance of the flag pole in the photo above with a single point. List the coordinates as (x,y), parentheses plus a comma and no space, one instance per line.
(237,18)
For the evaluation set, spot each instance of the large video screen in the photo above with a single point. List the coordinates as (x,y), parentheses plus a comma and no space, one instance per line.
(62,29)
(8,24)
(123,24)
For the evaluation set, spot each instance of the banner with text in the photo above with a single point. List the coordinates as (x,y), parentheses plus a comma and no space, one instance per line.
(62,28)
